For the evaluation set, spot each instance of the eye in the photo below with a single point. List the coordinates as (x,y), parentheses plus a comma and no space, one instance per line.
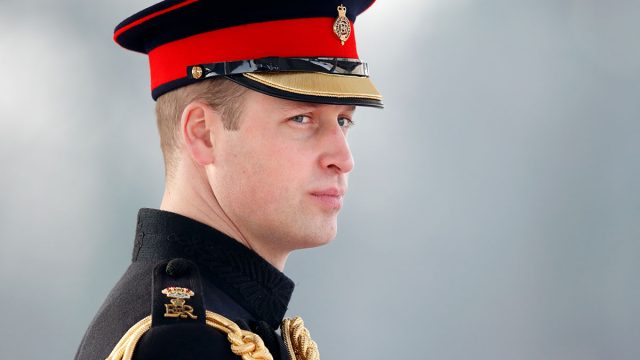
(345,122)
(300,119)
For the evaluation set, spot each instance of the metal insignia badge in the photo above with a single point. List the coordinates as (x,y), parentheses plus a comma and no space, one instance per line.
(342,27)
(196,72)
(178,308)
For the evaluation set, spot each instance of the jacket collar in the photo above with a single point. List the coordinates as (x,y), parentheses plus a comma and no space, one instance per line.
(242,274)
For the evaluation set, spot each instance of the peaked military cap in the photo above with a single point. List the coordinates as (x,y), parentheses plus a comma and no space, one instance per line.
(297,50)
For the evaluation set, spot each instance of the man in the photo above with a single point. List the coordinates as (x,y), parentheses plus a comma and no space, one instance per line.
(254,103)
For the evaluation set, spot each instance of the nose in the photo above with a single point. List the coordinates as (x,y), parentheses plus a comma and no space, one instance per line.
(336,155)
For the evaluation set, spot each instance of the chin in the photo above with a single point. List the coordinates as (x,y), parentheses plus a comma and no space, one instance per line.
(318,242)
(319,238)
(311,232)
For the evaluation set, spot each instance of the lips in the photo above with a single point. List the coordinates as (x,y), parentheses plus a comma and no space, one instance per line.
(329,192)
(330,197)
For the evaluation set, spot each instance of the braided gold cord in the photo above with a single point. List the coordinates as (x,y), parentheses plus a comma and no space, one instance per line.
(245,344)
(298,340)
(124,347)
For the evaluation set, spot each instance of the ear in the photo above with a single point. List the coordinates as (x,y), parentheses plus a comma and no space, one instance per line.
(196,130)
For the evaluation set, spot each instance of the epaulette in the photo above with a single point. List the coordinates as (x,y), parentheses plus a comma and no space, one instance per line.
(180,327)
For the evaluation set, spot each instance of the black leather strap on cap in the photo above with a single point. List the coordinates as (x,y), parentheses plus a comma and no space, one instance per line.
(319,64)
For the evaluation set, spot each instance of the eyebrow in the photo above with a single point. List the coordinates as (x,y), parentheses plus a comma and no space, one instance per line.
(304,105)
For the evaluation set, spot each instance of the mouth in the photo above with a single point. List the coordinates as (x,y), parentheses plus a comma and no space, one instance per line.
(330,198)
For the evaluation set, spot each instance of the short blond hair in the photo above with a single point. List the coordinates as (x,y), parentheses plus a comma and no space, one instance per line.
(222,95)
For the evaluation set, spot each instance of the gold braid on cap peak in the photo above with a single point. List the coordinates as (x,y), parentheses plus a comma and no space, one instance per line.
(247,345)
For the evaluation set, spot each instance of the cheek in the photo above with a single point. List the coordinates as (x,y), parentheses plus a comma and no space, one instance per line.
(265,173)
(288,173)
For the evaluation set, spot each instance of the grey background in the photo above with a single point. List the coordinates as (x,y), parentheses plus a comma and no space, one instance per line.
(493,212)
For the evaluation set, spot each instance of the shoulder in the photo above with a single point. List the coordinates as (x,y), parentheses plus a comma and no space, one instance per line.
(167,320)
(177,341)
(126,303)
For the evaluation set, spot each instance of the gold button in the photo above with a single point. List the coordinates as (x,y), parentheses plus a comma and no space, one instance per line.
(196,72)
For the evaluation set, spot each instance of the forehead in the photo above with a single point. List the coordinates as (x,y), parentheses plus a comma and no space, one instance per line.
(263,102)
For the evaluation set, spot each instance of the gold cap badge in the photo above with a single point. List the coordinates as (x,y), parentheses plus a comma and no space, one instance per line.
(342,27)
(178,308)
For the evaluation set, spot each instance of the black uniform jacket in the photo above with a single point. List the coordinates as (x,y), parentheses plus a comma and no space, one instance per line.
(227,278)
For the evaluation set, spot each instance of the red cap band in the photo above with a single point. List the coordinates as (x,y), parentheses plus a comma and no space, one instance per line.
(309,37)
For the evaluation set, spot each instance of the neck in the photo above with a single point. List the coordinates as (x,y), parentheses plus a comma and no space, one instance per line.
(191,195)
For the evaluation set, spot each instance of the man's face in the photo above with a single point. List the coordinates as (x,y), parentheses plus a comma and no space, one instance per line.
(281,177)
